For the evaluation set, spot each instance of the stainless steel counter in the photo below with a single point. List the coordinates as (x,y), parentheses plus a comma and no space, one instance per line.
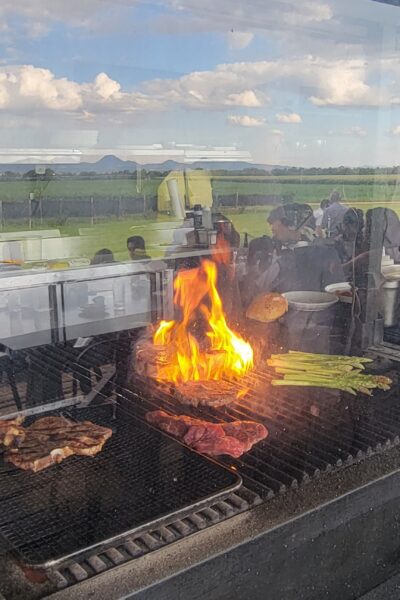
(42,307)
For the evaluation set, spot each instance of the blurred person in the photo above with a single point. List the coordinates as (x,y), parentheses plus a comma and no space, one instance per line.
(225,229)
(350,242)
(319,214)
(259,259)
(391,239)
(332,219)
(296,263)
(288,227)
(137,248)
(103,256)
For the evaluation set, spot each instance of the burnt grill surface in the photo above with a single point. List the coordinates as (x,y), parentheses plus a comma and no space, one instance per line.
(140,476)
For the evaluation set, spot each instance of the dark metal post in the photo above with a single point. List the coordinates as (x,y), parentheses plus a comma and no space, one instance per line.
(368,280)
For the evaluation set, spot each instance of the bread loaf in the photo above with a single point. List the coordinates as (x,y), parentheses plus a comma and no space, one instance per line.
(267,307)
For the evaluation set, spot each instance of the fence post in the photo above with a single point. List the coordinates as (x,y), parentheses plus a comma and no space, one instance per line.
(30,210)
(119,206)
(92,210)
(41,211)
(144,205)
(237,199)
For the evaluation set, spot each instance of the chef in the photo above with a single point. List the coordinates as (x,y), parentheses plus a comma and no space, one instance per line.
(295,263)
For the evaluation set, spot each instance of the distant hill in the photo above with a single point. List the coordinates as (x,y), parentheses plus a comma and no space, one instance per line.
(113,164)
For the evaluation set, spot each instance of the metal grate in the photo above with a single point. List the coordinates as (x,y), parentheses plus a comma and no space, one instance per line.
(310,431)
(140,477)
(132,547)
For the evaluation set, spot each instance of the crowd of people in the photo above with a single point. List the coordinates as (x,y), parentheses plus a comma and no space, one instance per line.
(305,249)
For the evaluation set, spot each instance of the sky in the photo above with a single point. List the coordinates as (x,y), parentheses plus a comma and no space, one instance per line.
(310,83)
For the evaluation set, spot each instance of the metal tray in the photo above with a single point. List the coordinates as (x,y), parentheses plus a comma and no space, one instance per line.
(141,477)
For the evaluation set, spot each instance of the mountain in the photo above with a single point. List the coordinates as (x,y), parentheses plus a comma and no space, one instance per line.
(112,164)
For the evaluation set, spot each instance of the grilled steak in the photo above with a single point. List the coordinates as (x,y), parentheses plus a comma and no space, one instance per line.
(50,440)
(206,393)
(11,431)
(213,439)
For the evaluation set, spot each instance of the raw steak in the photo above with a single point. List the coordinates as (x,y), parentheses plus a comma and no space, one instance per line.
(50,440)
(213,439)
(11,431)
(206,393)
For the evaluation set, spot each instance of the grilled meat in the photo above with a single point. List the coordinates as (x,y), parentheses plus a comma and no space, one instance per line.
(11,431)
(206,393)
(247,433)
(214,439)
(50,440)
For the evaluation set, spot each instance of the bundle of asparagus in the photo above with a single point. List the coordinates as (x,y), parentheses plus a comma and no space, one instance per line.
(325,370)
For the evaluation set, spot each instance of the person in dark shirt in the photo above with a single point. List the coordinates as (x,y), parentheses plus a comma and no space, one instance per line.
(333,216)
(103,256)
(296,263)
(350,242)
(137,248)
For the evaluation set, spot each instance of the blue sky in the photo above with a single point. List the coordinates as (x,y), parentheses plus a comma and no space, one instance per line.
(311,83)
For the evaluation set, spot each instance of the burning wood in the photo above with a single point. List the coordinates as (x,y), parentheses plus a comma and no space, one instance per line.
(203,365)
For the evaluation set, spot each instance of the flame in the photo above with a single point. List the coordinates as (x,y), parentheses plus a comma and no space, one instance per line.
(221,353)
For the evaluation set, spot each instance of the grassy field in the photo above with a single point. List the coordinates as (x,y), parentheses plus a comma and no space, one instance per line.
(358,191)
(305,189)
(112,234)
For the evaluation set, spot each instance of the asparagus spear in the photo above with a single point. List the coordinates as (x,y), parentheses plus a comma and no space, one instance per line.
(326,370)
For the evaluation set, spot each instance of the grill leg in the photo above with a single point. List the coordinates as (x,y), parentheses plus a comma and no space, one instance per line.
(13,386)
(6,366)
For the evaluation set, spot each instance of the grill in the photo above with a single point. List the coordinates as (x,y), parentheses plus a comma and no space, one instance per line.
(310,432)
(141,477)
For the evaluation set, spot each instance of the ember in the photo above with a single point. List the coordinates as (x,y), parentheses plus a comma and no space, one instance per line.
(222,354)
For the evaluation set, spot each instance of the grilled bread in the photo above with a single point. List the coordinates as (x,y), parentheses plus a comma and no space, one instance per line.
(267,307)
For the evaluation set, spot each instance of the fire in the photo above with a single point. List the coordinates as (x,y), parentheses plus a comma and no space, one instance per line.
(222,354)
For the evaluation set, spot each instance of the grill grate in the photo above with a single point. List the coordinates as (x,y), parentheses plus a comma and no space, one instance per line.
(132,547)
(140,477)
(311,431)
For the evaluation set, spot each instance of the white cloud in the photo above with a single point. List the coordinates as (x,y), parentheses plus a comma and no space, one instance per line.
(241,84)
(356,131)
(38,16)
(396,130)
(202,13)
(106,87)
(246,121)
(288,118)
(324,82)
(246,98)
(240,39)
(26,89)
(277,132)
(208,15)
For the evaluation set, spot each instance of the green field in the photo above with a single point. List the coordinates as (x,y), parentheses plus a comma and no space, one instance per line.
(113,234)
(358,191)
(305,189)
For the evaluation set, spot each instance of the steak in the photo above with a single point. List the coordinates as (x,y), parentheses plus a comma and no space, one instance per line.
(11,431)
(206,393)
(214,439)
(50,440)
